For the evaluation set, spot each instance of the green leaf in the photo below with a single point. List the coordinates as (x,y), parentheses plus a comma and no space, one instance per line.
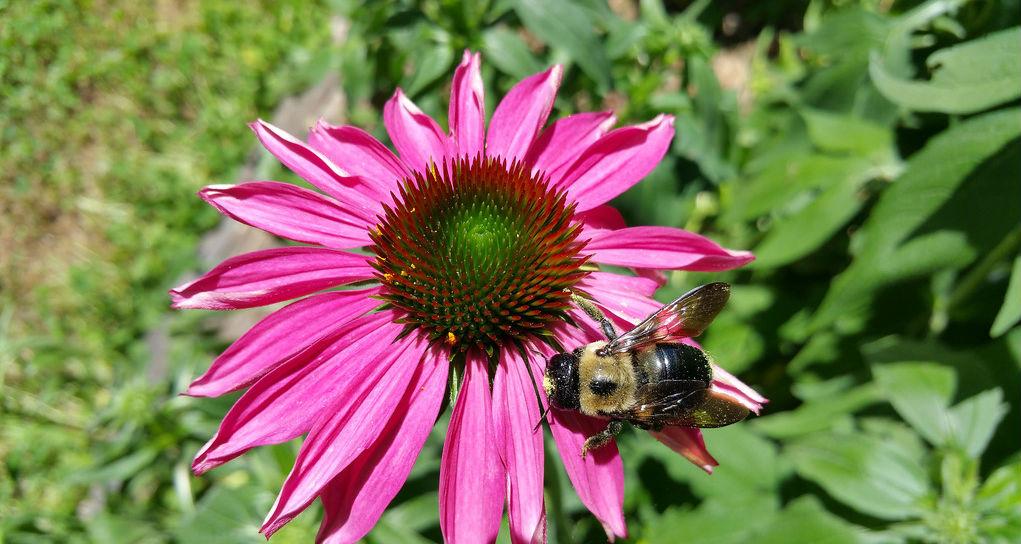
(807,518)
(873,476)
(1010,312)
(999,502)
(505,50)
(966,78)
(842,133)
(799,234)
(713,521)
(929,180)
(974,420)
(434,62)
(563,24)
(920,392)
(818,414)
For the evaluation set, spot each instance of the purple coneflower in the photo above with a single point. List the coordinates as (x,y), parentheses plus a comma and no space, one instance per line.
(469,244)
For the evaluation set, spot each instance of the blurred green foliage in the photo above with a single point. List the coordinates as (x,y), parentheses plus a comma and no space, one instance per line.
(866,151)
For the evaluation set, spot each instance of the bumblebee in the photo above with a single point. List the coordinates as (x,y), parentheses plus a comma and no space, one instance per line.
(645,376)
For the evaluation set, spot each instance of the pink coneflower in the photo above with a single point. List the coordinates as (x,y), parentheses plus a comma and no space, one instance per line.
(469,241)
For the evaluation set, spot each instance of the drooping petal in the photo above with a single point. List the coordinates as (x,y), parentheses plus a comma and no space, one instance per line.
(472,479)
(727,385)
(689,443)
(616,162)
(360,154)
(290,398)
(290,212)
(521,115)
(348,427)
(318,170)
(515,415)
(467,111)
(278,336)
(598,478)
(355,499)
(565,139)
(271,275)
(661,247)
(417,138)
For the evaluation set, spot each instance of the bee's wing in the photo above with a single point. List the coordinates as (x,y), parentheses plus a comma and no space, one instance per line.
(684,403)
(685,317)
(665,402)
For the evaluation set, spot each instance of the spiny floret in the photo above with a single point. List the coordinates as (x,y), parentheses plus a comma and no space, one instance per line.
(478,252)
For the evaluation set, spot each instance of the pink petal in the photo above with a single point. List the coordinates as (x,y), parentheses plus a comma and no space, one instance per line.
(271,275)
(278,336)
(418,139)
(287,400)
(627,296)
(726,385)
(689,443)
(318,170)
(599,476)
(601,217)
(472,479)
(349,427)
(616,162)
(467,117)
(516,413)
(290,212)
(521,115)
(565,139)
(355,499)
(661,247)
(360,154)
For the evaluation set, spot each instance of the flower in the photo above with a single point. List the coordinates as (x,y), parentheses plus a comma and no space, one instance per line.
(470,240)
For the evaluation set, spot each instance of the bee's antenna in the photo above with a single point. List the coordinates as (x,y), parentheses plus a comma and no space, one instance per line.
(596,314)
(541,419)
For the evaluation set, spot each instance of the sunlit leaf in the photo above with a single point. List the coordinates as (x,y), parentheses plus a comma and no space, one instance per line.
(966,78)
(921,393)
(563,24)
(1010,312)
(873,476)
(974,420)
(929,180)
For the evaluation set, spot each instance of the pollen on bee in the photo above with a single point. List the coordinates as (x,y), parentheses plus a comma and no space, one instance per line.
(451,338)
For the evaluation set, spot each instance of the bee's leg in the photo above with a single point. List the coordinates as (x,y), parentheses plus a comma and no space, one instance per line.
(596,314)
(601,438)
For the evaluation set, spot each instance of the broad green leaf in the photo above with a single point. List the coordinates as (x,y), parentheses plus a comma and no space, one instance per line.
(999,502)
(809,520)
(785,181)
(872,476)
(433,63)
(974,420)
(565,25)
(841,133)
(505,50)
(749,463)
(799,234)
(966,78)
(929,180)
(1010,312)
(713,521)
(920,392)
(818,414)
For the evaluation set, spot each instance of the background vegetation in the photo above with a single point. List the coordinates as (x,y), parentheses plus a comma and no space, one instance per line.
(866,151)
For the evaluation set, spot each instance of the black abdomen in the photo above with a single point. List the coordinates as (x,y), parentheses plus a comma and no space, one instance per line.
(675,362)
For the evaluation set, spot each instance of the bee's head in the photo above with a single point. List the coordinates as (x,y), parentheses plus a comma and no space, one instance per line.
(561,381)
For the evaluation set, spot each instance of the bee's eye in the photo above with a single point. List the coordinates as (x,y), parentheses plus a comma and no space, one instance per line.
(602,386)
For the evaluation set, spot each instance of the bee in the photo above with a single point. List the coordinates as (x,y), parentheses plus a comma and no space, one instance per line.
(645,376)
